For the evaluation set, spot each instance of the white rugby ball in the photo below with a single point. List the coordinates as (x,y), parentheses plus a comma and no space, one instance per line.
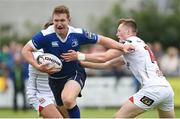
(37,53)
(51,60)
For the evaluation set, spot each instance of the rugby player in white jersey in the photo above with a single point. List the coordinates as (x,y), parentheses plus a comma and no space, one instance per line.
(155,90)
(39,94)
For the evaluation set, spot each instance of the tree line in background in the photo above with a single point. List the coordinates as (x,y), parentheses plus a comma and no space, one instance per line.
(153,25)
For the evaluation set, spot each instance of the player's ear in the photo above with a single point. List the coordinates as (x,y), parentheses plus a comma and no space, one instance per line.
(69,19)
(127,32)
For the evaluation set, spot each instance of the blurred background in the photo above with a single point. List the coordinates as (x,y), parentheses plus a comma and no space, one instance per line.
(159,26)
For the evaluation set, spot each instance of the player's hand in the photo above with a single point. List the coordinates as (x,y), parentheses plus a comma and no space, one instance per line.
(70,56)
(128,48)
(46,68)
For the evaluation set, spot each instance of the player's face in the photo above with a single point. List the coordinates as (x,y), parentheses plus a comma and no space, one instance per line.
(61,23)
(122,32)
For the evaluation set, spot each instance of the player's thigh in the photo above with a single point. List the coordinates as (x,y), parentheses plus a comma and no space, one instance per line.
(150,97)
(128,110)
(56,86)
(71,90)
(50,111)
(166,114)
(44,105)
(166,107)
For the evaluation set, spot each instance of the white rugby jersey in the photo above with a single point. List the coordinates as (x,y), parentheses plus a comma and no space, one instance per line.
(37,85)
(143,64)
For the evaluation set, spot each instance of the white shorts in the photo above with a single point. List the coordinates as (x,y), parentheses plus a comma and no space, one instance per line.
(154,96)
(41,103)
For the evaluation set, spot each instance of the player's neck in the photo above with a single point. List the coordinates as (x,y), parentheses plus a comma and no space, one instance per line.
(131,35)
(63,35)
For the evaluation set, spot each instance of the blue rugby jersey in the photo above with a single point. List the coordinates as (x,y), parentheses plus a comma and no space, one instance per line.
(51,42)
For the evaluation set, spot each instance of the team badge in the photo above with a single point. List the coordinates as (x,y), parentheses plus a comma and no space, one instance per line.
(75,43)
(129,41)
(89,35)
(42,100)
(147,101)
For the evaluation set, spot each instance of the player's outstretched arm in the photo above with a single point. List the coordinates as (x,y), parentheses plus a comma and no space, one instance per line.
(93,57)
(110,43)
(106,65)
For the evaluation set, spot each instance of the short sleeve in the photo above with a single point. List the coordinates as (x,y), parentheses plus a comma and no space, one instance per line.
(37,40)
(88,37)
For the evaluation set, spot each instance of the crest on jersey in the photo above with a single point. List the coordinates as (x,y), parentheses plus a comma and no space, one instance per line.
(42,100)
(129,41)
(54,44)
(74,43)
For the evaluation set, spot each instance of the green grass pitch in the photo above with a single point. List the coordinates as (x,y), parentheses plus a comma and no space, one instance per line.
(85,113)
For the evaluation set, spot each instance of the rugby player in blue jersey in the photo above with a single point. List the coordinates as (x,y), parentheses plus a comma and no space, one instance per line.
(57,39)
(39,94)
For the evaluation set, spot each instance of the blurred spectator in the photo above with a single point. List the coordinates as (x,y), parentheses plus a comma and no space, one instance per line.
(10,61)
(157,50)
(93,72)
(3,77)
(16,73)
(3,68)
(13,67)
(18,81)
(170,62)
(118,72)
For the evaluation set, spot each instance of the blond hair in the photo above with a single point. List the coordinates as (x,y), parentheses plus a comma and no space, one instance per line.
(129,23)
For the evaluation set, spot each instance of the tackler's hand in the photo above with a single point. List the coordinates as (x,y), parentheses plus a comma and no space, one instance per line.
(70,55)
(128,48)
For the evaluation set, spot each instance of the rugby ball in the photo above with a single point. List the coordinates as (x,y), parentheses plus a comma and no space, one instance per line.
(51,60)
(37,53)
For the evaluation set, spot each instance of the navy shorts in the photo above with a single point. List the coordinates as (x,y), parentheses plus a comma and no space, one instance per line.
(57,85)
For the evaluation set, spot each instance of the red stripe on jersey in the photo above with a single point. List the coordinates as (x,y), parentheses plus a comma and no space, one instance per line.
(40,108)
(131,99)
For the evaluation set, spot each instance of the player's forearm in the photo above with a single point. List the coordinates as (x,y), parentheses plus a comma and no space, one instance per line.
(101,57)
(110,43)
(73,55)
(96,57)
(95,65)
(28,56)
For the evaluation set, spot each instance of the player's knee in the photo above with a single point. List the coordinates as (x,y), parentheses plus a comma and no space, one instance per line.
(68,102)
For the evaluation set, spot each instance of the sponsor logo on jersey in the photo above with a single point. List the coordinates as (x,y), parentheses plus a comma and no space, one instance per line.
(147,101)
(54,44)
